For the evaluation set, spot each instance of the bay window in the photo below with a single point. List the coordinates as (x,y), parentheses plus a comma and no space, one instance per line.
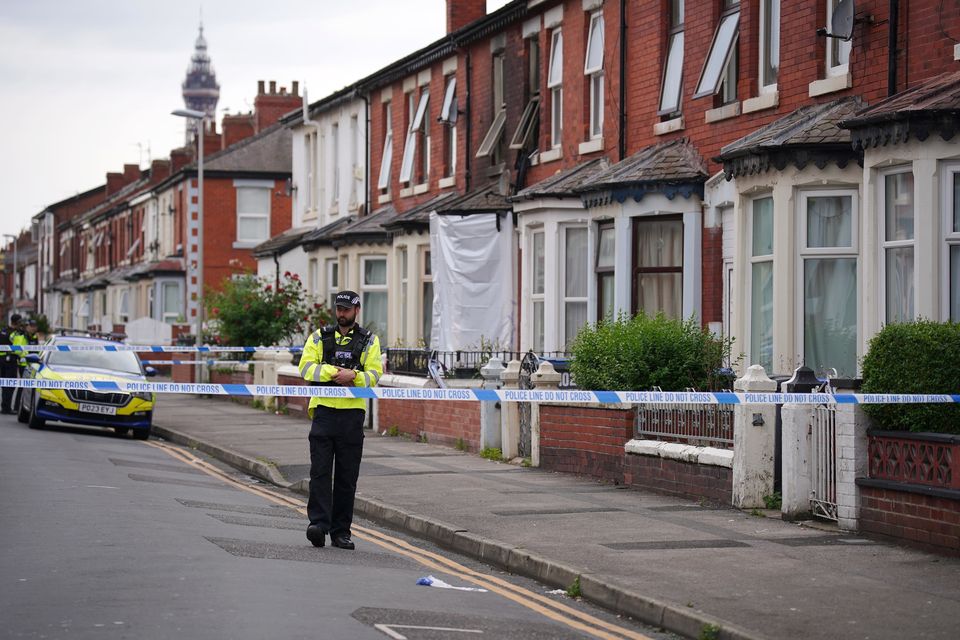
(575,267)
(658,266)
(829,269)
(761,282)
(897,241)
(605,277)
(373,294)
(537,289)
(951,204)
(426,298)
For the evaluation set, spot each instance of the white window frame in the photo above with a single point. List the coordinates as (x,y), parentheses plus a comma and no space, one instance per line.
(722,48)
(752,260)
(331,270)
(819,253)
(426,277)
(310,153)
(417,121)
(313,276)
(403,264)
(555,85)
(384,288)
(951,236)
(258,216)
(769,51)
(885,244)
(537,298)
(448,110)
(168,316)
(594,73)
(386,159)
(335,159)
(123,305)
(836,48)
(564,299)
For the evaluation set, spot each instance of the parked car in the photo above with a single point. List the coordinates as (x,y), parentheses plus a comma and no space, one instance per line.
(122,411)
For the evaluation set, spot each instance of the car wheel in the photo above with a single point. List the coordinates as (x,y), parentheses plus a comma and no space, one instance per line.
(142,434)
(121,431)
(34,421)
(23,415)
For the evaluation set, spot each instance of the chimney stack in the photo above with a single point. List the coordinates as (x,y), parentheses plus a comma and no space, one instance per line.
(268,108)
(460,13)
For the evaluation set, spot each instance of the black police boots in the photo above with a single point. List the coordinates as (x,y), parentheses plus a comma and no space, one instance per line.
(315,535)
(342,541)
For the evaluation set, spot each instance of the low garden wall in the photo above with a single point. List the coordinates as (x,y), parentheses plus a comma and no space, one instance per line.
(585,440)
(912,493)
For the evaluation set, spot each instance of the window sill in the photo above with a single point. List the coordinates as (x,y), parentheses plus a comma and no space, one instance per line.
(247,244)
(496,170)
(830,84)
(761,102)
(421,188)
(406,193)
(668,126)
(591,146)
(725,112)
(551,154)
(384,198)
(956,52)
(534,158)
(446,183)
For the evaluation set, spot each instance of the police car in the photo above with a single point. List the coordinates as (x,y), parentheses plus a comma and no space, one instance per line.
(122,411)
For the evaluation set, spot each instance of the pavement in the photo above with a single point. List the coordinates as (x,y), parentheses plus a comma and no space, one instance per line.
(673,563)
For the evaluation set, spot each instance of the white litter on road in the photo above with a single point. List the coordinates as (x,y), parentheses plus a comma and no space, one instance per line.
(430,581)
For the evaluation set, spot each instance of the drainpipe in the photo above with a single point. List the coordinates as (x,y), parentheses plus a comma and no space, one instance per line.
(276,271)
(622,142)
(469,119)
(892,30)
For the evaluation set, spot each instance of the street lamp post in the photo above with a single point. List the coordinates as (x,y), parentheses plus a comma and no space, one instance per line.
(15,277)
(200,117)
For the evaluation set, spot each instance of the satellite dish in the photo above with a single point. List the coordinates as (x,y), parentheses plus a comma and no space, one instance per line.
(841,22)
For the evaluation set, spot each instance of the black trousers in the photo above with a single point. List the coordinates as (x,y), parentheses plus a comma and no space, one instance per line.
(336,447)
(8,370)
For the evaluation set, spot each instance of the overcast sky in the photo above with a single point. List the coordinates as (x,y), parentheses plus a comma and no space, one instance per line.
(88,85)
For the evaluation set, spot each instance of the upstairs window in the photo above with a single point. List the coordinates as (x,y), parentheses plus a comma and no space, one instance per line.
(527,134)
(253,214)
(419,127)
(722,56)
(838,51)
(593,69)
(492,144)
(335,161)
(387,159)
(555,84)
(671,87)
(769,44)
(448,116)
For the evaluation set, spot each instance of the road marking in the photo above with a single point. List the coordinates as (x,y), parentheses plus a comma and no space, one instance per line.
(389,629)
(549,608)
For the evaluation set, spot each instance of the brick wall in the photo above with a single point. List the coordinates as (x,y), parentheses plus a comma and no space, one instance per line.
(295,405)
(674,477)
(585,440)
(405,415)
(924,521)
(447,423)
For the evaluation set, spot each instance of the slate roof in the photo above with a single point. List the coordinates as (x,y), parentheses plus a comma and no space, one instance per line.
(322,235)
(281,243)
(809,134)
(419,216)
(366,230)
(485,200)
(673,161)
(269,151)
(146,269)
(564,184)
(930,107)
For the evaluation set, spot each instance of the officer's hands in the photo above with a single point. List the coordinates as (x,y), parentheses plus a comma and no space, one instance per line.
(345,377)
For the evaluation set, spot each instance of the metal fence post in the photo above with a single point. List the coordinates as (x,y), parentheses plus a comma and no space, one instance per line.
(490,411)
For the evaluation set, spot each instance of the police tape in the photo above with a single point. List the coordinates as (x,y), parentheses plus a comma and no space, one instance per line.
(138,348)
(571,396)
(209,363)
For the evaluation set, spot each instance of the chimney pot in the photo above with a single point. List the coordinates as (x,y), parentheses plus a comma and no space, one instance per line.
(273,87)
(295,88)
(260,87)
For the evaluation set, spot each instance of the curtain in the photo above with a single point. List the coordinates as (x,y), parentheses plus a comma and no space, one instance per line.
(374,315)
(830,314)
(660,245)
(762,244)
(660,292)
(538,326)
(538,262)
(900,289)
(605,290)
(829,221)
(761,314)
(426,312)
(576,267)
(375,272)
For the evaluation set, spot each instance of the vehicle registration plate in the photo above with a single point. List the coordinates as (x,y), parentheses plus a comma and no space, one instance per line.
(103,410)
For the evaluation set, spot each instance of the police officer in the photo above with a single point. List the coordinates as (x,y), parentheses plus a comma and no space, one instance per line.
(8,360)
(343,355)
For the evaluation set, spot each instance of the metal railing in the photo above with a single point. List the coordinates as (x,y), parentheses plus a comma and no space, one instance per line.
(458,364)
(696,424)
(823,445)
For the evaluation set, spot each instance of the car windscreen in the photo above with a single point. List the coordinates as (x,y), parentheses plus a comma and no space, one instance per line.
(125,361)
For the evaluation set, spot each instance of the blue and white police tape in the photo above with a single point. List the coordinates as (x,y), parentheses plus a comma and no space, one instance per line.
(483,395)
(139,348)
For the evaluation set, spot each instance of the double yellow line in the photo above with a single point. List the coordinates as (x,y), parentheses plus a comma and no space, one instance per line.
(549,608)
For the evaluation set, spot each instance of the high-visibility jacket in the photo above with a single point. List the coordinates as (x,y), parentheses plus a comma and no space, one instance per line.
(19,339)
(314,369)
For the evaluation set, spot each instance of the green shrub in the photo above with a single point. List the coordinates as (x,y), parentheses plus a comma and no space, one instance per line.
(250,311)
(638,353)
(915,357)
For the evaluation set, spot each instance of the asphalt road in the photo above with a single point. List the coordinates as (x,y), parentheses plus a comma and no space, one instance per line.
(105,537)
